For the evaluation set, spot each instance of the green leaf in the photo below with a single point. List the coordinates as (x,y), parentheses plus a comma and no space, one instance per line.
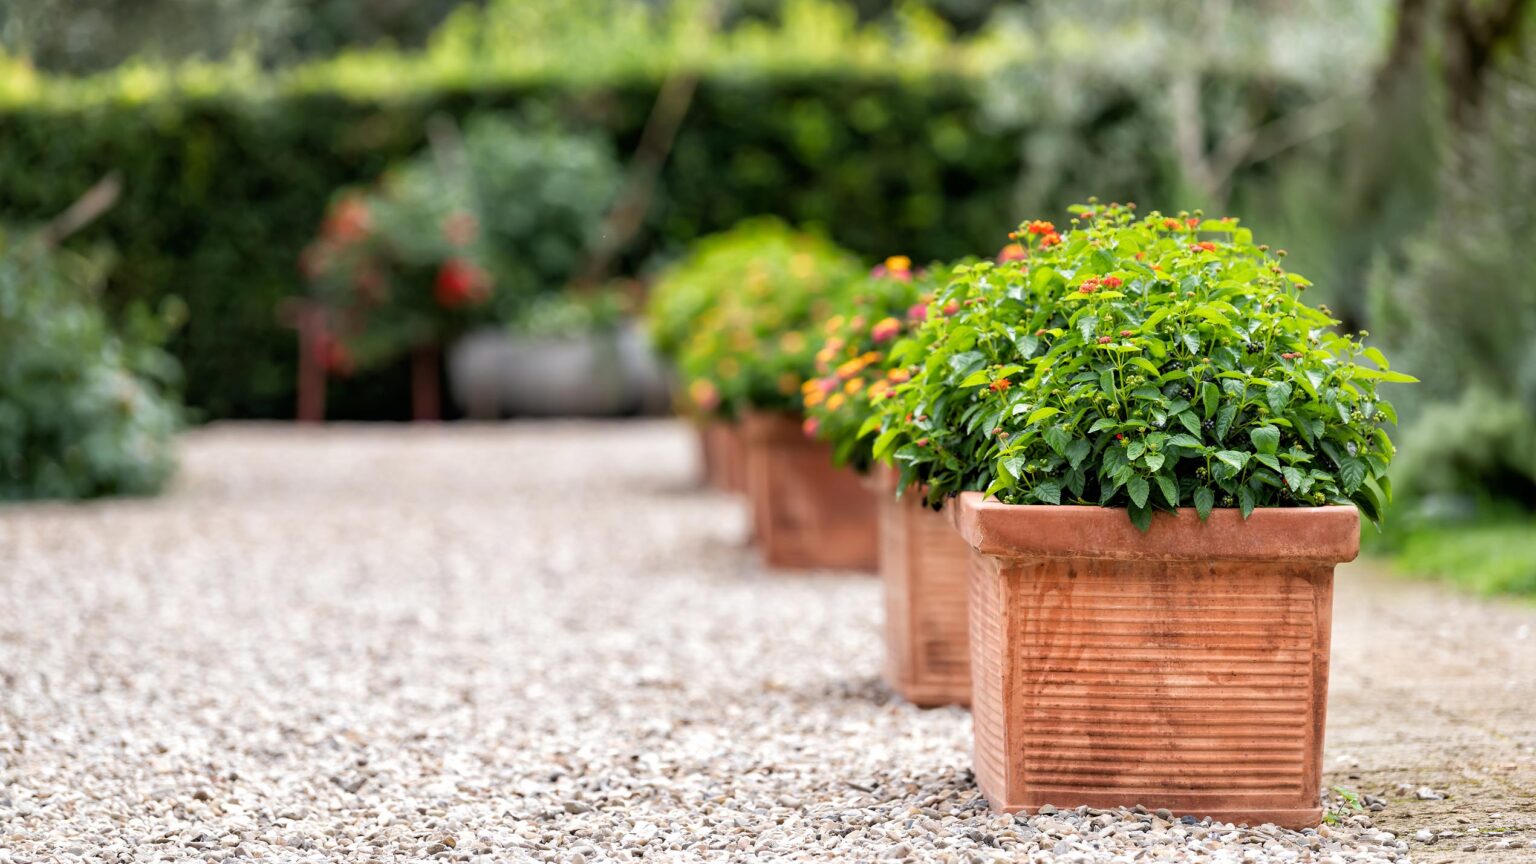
(1185,441)
(1047,492)
(1191,422)
(885,443)
(1103,423)
(1236,458)
(1153,460)
(1351,475)
(977,378)
(1085,326)
(1245,500)
(1224,419)
(1169,488)
(1077,451)
(1040,414)
(1265,438)
(1296,479)
(1141,517)
(1058,439)
(1205,499)
(1138,489)
(1277,397)
(1135,449)
(1268,459)
(871,423)
(1028,344)
(1208,396)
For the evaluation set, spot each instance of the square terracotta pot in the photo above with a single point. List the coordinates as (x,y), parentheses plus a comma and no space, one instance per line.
(722,455)
(1184,668)
(923,563)
(807,513)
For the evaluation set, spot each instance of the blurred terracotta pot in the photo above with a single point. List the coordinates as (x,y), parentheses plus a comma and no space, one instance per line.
(721,451)
(806,512)
(923,562)
(1184,668)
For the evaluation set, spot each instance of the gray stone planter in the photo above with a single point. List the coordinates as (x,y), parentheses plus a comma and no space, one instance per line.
(492,374)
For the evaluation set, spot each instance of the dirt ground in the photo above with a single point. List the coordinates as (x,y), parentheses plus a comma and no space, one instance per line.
(1434,694)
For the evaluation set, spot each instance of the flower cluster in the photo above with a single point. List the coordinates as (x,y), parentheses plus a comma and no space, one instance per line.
(754,297)
(1141,362)
(852,372)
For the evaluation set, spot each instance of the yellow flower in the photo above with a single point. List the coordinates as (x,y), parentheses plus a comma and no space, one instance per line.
(852,367)
(898,264)
(814,397)
(837,401)
(853,386)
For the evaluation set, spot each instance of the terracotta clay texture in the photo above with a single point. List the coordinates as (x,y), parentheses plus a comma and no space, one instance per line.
(1184,668)
(807,513)
(923,563)
(723,455)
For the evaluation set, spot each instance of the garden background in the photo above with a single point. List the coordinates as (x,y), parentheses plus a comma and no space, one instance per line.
(1390,147)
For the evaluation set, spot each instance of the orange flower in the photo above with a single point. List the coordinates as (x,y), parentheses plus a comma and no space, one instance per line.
(1170,224)
(1049,240)
(886,329)
(1011,252)
(899,376)
(999,385)
(1041,227)
(704,394)
(1112,282)
(951,308)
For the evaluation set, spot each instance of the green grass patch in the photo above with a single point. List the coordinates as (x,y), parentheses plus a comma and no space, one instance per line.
(1487,555)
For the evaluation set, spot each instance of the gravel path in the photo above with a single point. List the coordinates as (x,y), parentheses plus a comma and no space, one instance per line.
(539,643)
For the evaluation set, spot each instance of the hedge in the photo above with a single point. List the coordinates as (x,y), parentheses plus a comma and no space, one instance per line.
(220,194)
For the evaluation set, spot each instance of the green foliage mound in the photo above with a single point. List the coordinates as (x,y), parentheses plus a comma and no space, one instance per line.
(84,411)
(1139,362)
(754,345)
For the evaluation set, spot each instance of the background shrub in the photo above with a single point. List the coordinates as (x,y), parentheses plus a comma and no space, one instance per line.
(84,410)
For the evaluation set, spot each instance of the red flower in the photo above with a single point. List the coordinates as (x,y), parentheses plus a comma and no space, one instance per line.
(1105,340)
(1126,333)
(332,355)
(1192,222)
(1041,228)
(1050,240)
(951,307)
(1170,224)
(886,329)
(1112,282)
(1202,246)
(348,221)
(1087,288)
(461,283)
(999,385)
(810,426)
(918,312)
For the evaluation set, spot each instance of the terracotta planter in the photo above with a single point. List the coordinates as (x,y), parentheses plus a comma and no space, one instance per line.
(1184,668)
(923,562)
(806,512)
(722,455)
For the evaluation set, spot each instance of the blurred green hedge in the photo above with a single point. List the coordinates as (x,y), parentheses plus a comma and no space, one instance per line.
(222,193)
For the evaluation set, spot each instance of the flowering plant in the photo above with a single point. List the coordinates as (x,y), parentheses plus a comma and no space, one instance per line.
(853,369)
(475,231)
(771,286)
(1147,363)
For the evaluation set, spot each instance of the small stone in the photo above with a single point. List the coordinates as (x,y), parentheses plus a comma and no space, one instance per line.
(1045,810)
(1164,814)
(895,852)
(1424,836)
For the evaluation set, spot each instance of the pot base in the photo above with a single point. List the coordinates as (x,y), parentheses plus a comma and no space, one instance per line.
(807,513)
(923,562)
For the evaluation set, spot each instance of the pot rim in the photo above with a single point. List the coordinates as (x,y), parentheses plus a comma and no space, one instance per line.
(1329,534)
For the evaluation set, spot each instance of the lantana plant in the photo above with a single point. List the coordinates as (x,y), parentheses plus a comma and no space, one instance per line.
(399,267)
(755,345)
(1148,363)
(853,368)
